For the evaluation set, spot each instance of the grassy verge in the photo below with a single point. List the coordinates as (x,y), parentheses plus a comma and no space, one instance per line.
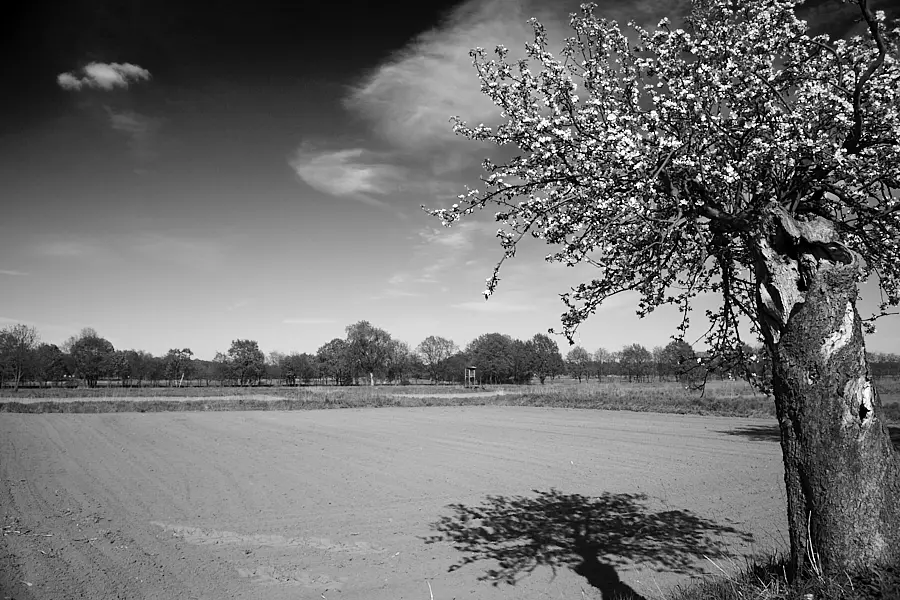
(373,401)
(659,399)
(765,579)
(230,391)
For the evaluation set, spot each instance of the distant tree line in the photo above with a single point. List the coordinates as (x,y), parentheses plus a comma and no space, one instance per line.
(367,355)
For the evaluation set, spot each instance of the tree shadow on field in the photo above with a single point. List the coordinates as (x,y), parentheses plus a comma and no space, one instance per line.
(590,535)
(771,433)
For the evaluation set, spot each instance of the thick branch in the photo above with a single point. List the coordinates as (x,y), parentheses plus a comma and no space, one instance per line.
(853,141)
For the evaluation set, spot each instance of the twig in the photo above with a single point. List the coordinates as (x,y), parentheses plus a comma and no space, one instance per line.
(430,592)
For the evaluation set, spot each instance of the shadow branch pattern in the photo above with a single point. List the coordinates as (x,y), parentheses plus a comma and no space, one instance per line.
(590,535)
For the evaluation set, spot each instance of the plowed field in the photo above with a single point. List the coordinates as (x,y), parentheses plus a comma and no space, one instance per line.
(380,504)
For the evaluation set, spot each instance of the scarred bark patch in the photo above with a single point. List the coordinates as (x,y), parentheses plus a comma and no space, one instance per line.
(860,410)
(841,336)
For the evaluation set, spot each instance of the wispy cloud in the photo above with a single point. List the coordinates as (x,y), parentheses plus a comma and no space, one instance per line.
(141,130)
(182,250)
(236,305)
(12,273)
(351,173)
(410,97)
(438,252)
(186,250)
(104,76)
(460,236)
(394,294)
(308,321)
(71,248)
(493,306)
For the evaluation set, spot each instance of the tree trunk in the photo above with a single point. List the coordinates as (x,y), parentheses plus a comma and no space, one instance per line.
(841,471)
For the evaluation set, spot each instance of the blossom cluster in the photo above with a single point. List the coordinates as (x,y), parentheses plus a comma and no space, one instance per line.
(655,161)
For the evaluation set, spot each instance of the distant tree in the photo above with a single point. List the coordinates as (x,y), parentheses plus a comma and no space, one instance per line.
(523,360)
(602,360)
(491,355)
(221,369)
(309,368)
(418,370)
(50,364)
(636,362)
(119,367)
(678,360)
(547,360)
(884,364)
(399,362)
(453,368)
(288,366)
(657,363)
(17,351)
(335,362)
(93,356)
(369,349)
(274,368)
(139,365)
(178,364)
(203,371)
(297,367)
(433,351)
(577,362)
(246,362)
(156,369)
(85,332)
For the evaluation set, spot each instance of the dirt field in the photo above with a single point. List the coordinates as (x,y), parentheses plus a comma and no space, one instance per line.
(354,504)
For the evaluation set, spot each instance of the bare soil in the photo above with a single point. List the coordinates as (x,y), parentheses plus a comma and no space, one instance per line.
(378,504)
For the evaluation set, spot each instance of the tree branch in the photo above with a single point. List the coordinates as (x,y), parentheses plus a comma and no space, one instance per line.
(853,143)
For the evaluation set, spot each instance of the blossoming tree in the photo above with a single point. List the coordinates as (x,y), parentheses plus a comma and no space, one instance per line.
(740,156)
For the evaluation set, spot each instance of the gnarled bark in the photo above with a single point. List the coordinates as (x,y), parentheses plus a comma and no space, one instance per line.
(841,470)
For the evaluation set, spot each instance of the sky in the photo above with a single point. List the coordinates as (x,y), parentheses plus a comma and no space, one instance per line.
(182,173)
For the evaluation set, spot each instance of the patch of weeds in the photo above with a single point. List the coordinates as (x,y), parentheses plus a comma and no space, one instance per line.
(766,579)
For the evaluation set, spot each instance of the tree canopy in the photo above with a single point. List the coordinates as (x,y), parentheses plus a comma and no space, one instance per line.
(93,356)
(663,163)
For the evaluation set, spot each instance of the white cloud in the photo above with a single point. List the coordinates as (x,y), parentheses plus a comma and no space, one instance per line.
(352,173)
(308,321)
(12,272)
(67,81)
(411,96)
(104,76)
